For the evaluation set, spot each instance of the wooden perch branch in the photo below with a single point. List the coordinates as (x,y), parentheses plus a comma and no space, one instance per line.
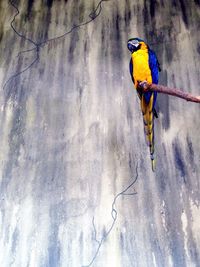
(144,86)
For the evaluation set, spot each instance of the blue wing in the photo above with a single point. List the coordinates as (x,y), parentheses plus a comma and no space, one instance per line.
(131,70)
(155,68)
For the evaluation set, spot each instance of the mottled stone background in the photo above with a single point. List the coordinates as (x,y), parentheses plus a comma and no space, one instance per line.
(71,136)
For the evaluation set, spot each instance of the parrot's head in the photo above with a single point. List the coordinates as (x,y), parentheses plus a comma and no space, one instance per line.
(135,44)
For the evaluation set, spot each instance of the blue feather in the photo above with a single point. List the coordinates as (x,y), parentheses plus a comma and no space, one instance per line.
(131,70)
(154,67)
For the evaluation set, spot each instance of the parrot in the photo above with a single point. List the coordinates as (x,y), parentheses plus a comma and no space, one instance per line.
(144,66)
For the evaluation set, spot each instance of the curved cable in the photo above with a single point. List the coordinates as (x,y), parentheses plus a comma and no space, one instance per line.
(93,15)
(114,217)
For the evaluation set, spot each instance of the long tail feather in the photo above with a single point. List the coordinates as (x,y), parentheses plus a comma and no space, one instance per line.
(148,119)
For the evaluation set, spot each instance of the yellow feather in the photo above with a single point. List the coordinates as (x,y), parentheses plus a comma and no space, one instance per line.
(147,110)
(153,164)
(142,72)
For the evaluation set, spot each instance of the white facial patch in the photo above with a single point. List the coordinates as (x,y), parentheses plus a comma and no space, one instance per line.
(134,42)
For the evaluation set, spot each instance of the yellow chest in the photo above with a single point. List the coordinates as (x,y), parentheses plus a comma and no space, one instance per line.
(141,70)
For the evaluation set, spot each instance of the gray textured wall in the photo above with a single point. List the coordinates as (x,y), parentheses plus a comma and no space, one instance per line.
(71,137)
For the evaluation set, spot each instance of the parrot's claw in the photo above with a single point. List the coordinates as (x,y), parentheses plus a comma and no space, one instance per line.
(143,85)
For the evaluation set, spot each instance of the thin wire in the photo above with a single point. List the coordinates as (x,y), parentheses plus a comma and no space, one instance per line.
(114,217)
(95,231)
(24,70)
(19,34)
(93,15)
(36,48)
(26,51)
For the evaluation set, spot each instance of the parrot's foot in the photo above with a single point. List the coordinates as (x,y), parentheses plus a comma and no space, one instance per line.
(143,85)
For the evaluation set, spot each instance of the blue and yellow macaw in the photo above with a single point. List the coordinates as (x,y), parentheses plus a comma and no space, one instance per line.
(144,66)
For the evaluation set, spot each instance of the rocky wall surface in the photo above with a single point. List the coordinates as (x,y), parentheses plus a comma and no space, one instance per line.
(76,185)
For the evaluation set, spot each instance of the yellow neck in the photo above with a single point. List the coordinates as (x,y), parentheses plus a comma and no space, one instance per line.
(143,46)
